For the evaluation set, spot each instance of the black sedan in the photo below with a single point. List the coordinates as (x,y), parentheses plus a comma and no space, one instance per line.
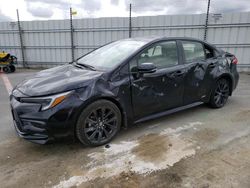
(120,84)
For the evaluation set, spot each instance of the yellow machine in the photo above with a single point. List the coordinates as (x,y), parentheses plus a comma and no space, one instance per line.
(7,62)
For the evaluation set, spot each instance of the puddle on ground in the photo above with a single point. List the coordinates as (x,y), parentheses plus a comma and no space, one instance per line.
(243,115)
(144,155)
(152,147)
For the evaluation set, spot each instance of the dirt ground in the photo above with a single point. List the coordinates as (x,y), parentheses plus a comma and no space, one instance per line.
(199,147)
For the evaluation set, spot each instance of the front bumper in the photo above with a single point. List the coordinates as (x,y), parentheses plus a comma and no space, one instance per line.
(33,137)
(33,130)
(42,127)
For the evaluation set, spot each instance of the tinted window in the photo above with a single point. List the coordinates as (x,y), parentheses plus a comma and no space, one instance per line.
(163,54)
(193,51)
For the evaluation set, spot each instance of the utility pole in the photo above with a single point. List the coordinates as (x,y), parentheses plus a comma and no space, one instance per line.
(72,36)
(206,24)
(130,21)
(21,39)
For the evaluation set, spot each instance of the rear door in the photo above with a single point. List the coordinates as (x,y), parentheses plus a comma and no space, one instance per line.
(162,89)
(199,61)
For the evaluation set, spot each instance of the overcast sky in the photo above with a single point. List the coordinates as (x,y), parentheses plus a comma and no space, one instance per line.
(59,9)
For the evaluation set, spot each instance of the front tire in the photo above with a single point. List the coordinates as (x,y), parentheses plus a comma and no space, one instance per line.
(220,93)
(6,69)
(98,123)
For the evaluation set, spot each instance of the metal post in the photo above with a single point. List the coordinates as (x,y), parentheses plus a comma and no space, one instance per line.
(206,24)
(130,21)
(72,36)
(21,39)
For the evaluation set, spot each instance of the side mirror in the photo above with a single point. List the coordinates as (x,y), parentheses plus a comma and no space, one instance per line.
(146,68)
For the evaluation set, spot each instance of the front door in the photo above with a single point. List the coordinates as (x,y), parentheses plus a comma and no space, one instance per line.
(162,89)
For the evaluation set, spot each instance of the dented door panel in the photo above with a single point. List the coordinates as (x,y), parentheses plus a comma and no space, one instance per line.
(154,92)
(196,81)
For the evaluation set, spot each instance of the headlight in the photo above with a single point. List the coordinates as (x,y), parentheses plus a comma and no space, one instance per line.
(48,101)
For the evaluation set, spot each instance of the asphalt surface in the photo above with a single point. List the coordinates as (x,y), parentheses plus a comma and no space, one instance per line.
(198,147)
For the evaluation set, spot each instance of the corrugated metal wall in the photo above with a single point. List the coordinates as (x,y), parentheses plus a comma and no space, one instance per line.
(48,43)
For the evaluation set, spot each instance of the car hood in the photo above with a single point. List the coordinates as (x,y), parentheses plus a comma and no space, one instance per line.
(56,80)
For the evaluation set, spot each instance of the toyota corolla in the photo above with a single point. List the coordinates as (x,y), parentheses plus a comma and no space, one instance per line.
(120,84)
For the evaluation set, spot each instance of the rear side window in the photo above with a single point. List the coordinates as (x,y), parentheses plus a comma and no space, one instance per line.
(193,51)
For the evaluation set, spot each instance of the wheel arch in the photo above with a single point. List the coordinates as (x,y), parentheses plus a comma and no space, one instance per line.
(118,104)
(229,78)
(108,98)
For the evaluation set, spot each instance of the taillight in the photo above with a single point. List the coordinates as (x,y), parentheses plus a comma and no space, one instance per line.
(235,60)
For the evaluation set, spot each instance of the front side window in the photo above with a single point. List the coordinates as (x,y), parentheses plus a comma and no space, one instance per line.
(162,54)
(193,51)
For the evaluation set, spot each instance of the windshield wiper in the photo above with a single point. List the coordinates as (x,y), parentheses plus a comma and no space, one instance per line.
(86,66)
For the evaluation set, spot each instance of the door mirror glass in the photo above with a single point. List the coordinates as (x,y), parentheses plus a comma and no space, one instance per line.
(146,68)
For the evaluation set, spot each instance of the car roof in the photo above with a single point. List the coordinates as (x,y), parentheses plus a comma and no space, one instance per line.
(151,39)
(156,38)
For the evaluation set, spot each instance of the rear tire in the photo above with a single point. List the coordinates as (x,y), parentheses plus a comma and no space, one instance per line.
(220,93)
(98,123)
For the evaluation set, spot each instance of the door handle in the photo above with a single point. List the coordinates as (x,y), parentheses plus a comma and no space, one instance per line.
(178,73)
(212,65)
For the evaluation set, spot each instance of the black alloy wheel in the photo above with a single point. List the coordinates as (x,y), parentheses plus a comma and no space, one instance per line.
(98,123)
(220,94)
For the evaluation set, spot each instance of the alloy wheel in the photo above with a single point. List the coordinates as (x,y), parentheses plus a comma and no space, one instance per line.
(221,93)
(100,125)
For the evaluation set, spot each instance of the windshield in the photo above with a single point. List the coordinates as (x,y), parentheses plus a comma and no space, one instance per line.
(111,55)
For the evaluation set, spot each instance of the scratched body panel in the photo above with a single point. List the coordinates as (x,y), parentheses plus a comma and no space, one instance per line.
(138,95)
